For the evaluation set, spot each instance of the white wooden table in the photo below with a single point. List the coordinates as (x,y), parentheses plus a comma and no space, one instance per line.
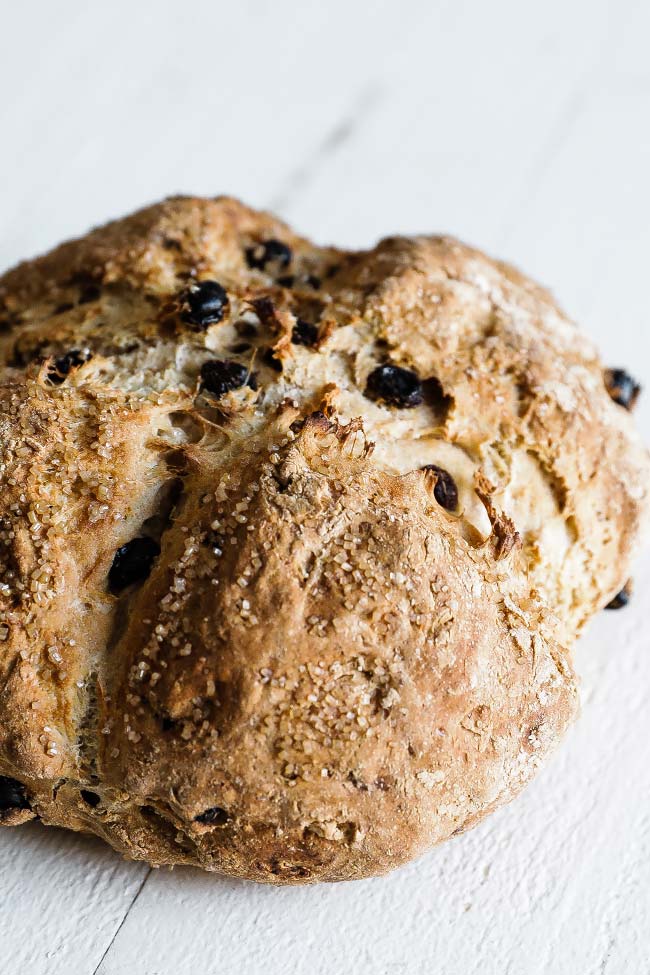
(522,127)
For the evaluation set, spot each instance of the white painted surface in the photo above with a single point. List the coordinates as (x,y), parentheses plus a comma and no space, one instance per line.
(524,128)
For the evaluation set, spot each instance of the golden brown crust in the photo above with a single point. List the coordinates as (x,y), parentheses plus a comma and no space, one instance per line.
(325,671)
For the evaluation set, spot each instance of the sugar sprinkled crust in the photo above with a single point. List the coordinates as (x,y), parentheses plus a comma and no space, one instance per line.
(338,627)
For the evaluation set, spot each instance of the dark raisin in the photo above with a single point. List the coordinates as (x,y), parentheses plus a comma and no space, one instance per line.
(445,491)
(167,724)
(132,563)
(213,817)
(304,333)
(90,292)
(622,598)
(219,376)
(313,281)
(286,281)
(205,303)
(91,798)
(395,386)
(435,397)
(62,365)
(63,307)
(265,311)
(622,387)
(12,794)
(245,329)
(240,348)
(269,359)
(267,252)
(171,245)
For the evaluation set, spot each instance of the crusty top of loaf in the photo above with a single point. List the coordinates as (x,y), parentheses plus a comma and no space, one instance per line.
(342,668)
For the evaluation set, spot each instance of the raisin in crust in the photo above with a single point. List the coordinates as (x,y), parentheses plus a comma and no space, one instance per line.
(267,606)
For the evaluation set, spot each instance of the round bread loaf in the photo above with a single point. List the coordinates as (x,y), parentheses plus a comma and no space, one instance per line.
(294,541)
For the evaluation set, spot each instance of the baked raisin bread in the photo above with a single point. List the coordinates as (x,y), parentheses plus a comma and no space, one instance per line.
(295,541)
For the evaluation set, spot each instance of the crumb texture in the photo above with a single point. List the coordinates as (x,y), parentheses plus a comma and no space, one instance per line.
(294,542)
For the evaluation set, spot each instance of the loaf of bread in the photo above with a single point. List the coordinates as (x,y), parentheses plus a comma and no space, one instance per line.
(295,541)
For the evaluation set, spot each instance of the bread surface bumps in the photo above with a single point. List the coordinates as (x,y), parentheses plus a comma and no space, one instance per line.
(295,541)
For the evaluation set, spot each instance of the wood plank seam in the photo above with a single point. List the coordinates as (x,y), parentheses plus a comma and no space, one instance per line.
(579,98)
(342,132)
(119,927)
